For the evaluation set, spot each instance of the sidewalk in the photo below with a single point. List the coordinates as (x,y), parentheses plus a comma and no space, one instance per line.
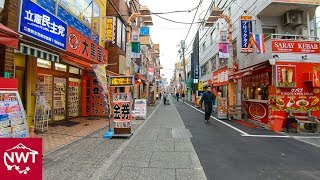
(160,149)
(80,158)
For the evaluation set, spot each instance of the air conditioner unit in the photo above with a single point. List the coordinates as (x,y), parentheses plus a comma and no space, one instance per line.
(292,18)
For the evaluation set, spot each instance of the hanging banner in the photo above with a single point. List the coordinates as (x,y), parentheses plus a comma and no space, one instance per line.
(223,36)
(224,50)
(246,30)
(100,71)
(122,114)
(258,41)
(110,29)
(140,108)
(135,46)
(42,25)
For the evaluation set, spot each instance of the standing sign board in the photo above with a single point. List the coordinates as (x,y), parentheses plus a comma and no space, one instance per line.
(13,122)
(140,108)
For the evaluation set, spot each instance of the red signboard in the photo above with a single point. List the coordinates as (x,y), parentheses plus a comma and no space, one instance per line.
(220,77)
(292,46)
(286,76)
(82,46)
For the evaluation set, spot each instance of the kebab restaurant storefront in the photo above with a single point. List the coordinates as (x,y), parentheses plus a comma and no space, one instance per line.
(57,60)
(272,88)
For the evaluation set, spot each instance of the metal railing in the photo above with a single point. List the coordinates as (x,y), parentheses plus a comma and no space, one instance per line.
(291,37)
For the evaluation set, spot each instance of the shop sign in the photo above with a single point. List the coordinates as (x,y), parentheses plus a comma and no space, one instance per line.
(224,50)
(144,31)
(246,30)
(120,81)
(256,80)
(110,28)
(82,46)
(220,77)
(122,114)
(314,2)
(223,37)
(42,25)
(286,76)
(200,86)
(290,46)
(316,76)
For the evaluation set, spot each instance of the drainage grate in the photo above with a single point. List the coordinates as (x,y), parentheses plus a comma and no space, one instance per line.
(181,133)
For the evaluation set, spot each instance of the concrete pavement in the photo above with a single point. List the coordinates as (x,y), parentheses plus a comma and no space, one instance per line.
(160,149)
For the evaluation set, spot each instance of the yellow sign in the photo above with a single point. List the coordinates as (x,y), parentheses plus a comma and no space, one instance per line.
(120,81)
(246,17)
(110,36)
(315,2)
(200,86)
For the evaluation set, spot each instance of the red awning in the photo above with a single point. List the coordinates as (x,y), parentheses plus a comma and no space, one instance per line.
(9,37)
(247,71)
(139,76)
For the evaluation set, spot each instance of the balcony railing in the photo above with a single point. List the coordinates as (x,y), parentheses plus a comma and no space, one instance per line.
(291,37)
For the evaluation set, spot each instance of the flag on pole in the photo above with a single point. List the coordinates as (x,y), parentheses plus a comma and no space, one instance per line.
(258,41)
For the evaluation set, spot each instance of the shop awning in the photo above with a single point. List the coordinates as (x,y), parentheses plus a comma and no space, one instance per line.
(8,37)
(75,62)
(247,71)
(139,76)
(39,53)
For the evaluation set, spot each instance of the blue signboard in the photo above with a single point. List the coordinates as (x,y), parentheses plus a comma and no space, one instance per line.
(144,31)
(74,22)
(95,38)
(42,25)
(246,30)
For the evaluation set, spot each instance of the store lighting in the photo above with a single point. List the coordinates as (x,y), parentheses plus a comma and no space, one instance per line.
(41,61)
(61,66)
(259,89)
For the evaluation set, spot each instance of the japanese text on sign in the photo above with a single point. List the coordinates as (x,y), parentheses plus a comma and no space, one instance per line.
(42,25)
(121,81)
(110,28)
(122,114)
(82,46)
(246,30)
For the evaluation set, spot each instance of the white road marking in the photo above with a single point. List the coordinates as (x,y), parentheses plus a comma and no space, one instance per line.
(270,136)
(302,140)
(234,128)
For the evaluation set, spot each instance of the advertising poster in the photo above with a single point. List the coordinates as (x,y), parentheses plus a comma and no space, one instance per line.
(13,122)
(222,106)
(59,99)
(122,114)
(140,108)
(224,50)
(316,76)
(246,30)
(286,76)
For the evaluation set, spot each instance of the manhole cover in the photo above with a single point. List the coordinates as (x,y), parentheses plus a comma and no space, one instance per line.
(181,133)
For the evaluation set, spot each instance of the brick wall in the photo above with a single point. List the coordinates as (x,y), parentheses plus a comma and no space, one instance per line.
(9,17)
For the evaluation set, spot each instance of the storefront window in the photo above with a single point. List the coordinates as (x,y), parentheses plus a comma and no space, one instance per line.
(43,63)
(60,67)
(259,93)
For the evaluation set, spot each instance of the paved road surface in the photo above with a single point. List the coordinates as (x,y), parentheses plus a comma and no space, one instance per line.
(225,154)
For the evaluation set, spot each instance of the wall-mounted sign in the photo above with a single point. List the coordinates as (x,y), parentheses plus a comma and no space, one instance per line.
(220,77)
(223,36)
(246,30)
(286,76)
(120,81)
(292,46)
(110,29)
(144,31)
(42,25)
(224,50)
(135,48)
(82,46)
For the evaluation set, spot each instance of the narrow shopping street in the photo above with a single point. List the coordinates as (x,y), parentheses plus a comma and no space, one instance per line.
(175,143)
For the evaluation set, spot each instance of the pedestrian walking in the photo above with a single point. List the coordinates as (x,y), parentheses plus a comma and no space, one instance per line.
(183,96)
(208,98)
(165,96)
(177,96)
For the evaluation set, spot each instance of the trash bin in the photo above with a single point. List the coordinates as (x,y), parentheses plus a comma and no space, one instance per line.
(276,123)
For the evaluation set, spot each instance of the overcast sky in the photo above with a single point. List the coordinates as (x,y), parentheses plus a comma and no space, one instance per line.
(169,34)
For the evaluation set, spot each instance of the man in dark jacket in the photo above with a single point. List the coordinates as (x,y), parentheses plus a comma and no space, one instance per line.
(208,98)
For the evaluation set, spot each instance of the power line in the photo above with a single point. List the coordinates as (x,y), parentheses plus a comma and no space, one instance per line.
(176,21)
(193,20)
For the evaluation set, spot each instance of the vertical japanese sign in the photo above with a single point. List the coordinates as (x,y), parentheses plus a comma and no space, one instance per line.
(246,30)
(82,46)
(110,28)
(122,114)
(42,25)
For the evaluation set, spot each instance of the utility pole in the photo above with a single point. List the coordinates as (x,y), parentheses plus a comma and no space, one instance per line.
(183,46)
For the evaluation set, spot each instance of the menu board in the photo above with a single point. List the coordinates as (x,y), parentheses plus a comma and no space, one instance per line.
(13,122)
(286,76)
(59,99)
(222,106)
(73,98)
(140,108)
